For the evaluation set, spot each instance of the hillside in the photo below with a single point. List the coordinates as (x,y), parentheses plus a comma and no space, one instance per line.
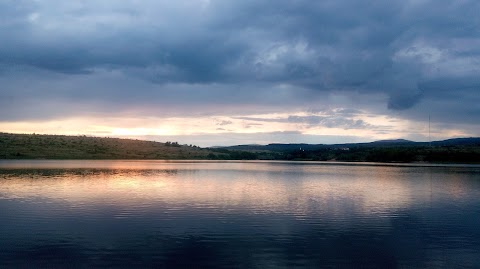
(31,146)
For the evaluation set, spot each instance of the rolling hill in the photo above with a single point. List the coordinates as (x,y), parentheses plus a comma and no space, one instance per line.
(31,146)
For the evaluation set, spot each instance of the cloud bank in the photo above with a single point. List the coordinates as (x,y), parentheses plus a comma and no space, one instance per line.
(404,59)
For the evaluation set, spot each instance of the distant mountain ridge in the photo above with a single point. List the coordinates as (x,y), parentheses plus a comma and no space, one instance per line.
(393,141)
(458,141)
(380,143)
(456,150)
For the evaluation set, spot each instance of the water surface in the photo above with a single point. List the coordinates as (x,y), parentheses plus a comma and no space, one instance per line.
(238,214)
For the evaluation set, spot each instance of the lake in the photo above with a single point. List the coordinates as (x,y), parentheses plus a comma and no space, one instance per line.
(202,214)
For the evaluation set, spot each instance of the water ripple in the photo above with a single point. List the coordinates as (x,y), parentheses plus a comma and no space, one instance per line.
(239,214)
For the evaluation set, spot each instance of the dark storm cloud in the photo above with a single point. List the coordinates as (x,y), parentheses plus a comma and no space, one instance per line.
(412,52)
(400,101)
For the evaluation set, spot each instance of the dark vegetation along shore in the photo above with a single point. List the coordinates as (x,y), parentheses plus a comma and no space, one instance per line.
(460,150)
(31,146)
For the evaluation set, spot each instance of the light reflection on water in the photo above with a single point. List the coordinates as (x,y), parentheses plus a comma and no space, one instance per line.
(240,214)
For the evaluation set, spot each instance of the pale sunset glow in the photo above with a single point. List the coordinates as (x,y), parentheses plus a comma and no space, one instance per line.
(265,195)
(361,127)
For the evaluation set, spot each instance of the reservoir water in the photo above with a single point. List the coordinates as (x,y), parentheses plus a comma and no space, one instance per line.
(173,214)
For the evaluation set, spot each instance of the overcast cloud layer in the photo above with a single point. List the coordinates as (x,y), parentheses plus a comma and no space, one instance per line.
(405,59)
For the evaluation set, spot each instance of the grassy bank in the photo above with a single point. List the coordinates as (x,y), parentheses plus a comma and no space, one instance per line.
(31,146)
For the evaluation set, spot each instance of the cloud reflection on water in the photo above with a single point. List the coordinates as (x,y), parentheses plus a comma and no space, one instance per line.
(298,190)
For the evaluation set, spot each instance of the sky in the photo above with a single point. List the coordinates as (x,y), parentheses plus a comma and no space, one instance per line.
(221,72)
